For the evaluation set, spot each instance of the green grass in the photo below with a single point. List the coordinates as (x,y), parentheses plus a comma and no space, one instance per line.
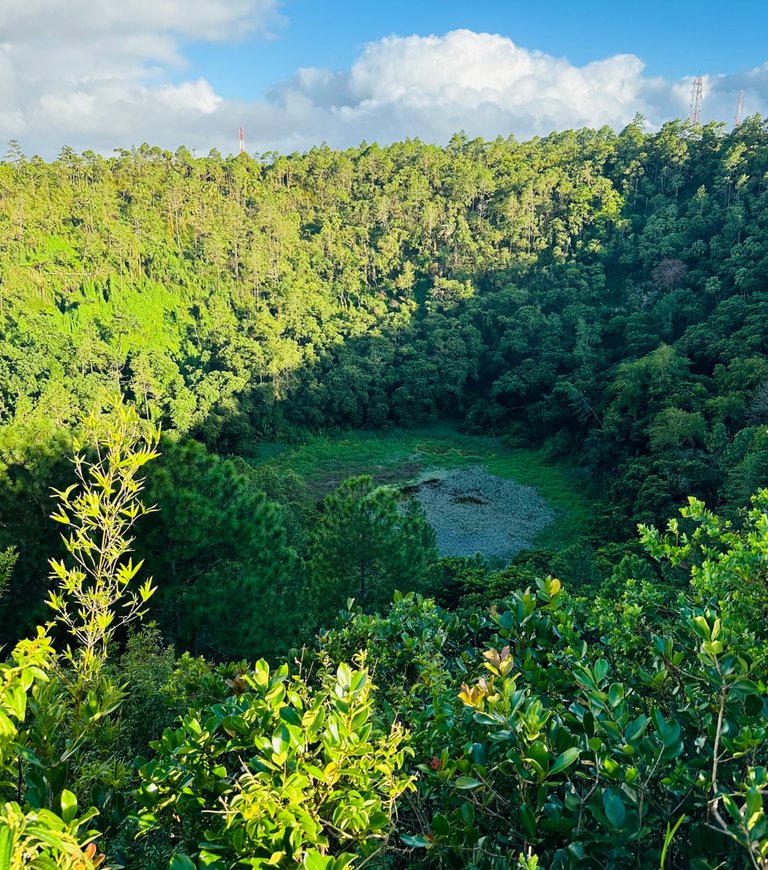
(396,457)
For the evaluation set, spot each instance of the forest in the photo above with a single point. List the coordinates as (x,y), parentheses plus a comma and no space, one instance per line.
(232,393)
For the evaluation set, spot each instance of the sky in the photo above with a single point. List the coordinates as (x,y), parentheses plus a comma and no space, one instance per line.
(101,74)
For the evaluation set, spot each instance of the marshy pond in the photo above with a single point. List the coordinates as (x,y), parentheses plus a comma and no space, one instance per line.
(474,511)
(479,495)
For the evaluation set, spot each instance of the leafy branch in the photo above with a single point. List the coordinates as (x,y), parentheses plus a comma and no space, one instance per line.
(93,598)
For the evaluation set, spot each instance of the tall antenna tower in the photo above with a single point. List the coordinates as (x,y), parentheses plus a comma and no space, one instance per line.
(739,109)
(697,92)
(242,141)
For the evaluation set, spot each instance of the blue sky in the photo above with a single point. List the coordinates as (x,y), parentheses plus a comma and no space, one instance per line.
(98,74)
(675,38)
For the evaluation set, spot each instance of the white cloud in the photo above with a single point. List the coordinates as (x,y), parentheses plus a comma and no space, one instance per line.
(487,85)
(95,74)
(31,20)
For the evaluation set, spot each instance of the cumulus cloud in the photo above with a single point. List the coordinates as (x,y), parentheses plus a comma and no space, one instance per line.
(486,85)
(483,83)
(31,20)
(96,74)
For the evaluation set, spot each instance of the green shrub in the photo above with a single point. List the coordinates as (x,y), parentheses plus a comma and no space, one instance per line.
(277,775)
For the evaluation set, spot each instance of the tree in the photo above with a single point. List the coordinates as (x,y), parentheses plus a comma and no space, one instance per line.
(366,545)
(218,547)
(93,599)
(669,273)
(7,561)
(672,429)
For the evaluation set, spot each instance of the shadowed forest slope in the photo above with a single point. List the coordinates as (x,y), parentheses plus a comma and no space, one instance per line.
(598,296)
(601,293)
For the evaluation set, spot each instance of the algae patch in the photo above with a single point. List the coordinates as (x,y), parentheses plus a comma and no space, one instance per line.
(474,511)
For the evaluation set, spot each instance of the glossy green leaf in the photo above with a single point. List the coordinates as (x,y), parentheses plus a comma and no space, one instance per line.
(68,806)
(466,782)
(565,760)
(614,808)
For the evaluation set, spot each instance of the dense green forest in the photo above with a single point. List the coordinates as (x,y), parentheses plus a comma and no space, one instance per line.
(592,304)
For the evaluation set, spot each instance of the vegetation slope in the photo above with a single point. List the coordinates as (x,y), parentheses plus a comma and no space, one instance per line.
(596,297)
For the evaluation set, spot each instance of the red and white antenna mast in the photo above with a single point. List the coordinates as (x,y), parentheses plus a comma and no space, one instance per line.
(242,141)
(739,109)
(697,92)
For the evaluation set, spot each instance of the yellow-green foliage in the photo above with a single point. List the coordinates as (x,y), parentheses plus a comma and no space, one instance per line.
(34,837)
(93,598)
(278,775)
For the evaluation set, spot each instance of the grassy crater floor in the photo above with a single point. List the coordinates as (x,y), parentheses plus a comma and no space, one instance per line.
(479,495)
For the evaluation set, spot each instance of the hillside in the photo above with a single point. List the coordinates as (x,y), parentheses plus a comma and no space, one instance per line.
(600,293)
(465,447)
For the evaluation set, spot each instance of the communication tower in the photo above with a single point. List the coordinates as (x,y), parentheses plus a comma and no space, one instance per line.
(242,141)
(697,92)
(739,108)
